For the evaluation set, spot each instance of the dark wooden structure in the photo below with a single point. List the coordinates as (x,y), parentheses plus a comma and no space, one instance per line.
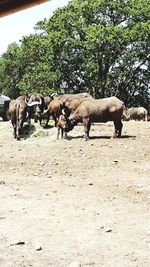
(8,7)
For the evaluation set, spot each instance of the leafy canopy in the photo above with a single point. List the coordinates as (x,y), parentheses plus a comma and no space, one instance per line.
(99,46)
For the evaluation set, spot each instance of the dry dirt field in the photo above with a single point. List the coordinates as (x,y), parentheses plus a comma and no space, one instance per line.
(75,203)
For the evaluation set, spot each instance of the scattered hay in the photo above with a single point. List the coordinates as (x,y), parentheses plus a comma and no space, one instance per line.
(39,133)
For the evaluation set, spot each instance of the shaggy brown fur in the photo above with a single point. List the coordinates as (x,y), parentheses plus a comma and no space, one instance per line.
(101,110)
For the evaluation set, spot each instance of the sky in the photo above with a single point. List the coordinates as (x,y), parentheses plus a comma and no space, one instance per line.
(13,27)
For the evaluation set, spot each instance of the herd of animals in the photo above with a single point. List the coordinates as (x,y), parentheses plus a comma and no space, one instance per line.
(67,110)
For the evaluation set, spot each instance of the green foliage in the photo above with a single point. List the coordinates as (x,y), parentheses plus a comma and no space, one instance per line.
(99,46)
(10,71)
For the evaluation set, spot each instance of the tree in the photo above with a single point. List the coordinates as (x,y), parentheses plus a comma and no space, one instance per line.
(99,46)
(10,71)
(38,75)
(102,46)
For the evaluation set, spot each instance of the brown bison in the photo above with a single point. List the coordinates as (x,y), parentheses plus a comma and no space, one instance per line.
(72,104)
(53,110)
(135,113)
(101,110)
(47,100)
(45,116)
(17,113)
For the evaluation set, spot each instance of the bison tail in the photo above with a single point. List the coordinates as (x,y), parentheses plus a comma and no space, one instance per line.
(17,113)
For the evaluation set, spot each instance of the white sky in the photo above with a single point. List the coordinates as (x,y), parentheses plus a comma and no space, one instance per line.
(13,27)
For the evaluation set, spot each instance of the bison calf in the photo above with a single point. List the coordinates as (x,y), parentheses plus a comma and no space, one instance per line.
(61,126)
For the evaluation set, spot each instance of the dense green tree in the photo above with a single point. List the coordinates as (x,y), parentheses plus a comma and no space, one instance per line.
(38,75)
(103,47)
(10,71)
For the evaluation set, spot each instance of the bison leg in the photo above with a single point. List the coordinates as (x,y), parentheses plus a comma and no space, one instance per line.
(35,119)
(18,132)
(87,126)
(14,127)
(58,133)
(62,133)
(60,130)
(145,117)
(65,133)
(118,129)
(55,119)
(14,133)
(28,118)
(47,121)
(40,119)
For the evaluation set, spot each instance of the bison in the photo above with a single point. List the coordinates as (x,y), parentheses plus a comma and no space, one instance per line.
(135,113)
(17,113)
(36,107)
(47,100)
(63,125)
(101,110)
(72,104)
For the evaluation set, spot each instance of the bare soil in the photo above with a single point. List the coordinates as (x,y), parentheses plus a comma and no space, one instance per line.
(67,201)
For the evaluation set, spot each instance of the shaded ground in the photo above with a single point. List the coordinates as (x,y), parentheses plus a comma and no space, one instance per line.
(71,200)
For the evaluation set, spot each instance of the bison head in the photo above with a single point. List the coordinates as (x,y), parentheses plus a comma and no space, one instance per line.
(64,108)
(35,108)
(68,124)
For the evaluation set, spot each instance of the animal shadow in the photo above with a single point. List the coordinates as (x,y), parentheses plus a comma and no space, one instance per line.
(110,137)
(100,137)
(48,126)
(69,137)
(27,131)
(128,136)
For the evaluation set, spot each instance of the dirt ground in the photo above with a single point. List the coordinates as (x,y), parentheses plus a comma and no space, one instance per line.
(75,203)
